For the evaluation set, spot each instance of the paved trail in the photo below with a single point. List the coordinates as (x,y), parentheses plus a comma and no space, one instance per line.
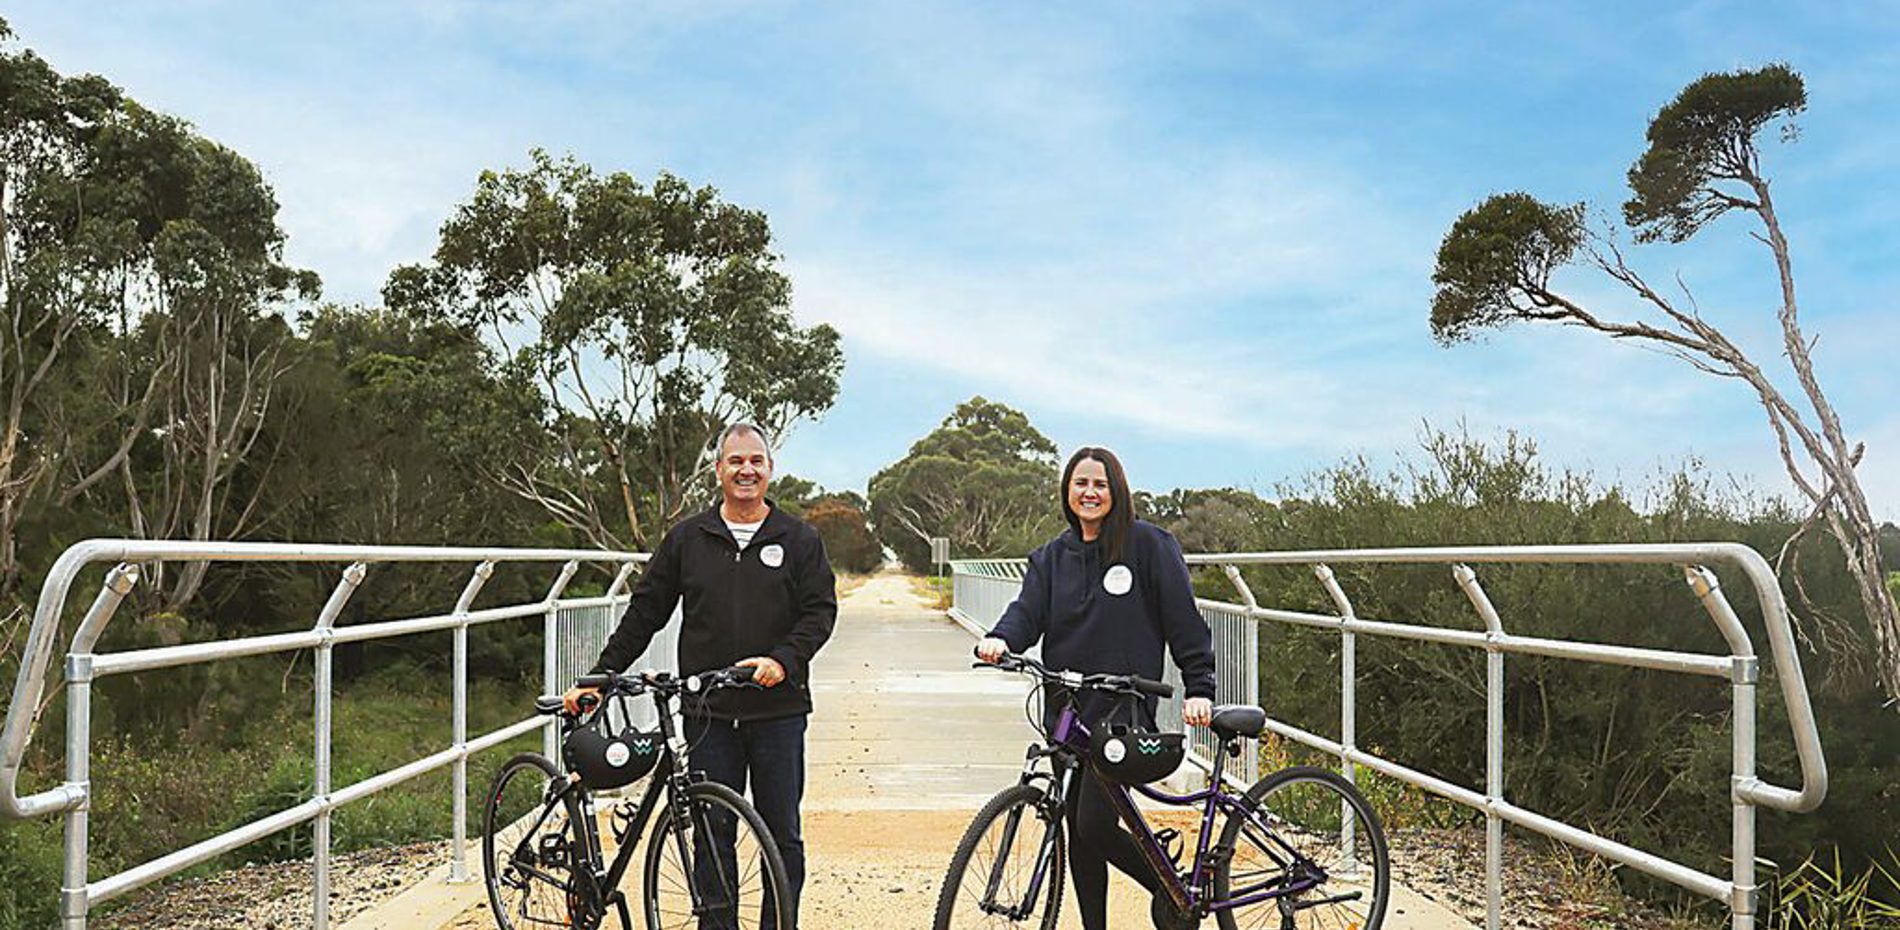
(906,743)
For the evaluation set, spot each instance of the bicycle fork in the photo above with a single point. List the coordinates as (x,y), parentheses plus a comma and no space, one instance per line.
(1045,857)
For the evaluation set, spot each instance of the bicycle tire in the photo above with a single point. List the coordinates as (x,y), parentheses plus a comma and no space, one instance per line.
(1299,804)
(956,890)
(771,902)
(524,850)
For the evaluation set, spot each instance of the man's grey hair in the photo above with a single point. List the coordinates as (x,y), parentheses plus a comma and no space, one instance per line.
(765,438)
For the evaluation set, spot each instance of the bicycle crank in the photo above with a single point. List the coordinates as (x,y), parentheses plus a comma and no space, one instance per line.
(1167,917)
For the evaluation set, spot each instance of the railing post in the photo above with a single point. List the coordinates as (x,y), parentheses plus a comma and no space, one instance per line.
(551,734)
(1493,745)
(72,893)
(1250,645)
(320,842)
(1745,672)
(458,850)
(1348,709)
(75,903)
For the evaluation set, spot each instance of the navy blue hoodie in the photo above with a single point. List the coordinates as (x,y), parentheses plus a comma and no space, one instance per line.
(1098,618)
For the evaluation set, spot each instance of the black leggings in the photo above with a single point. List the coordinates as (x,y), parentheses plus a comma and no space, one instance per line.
(1096,838)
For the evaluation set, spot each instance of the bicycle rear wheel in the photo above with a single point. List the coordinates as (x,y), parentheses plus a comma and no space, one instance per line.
(1008,868)
(532,852)
(720,870)
(1310,854)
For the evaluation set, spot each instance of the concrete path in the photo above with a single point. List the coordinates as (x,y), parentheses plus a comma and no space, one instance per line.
(906,743)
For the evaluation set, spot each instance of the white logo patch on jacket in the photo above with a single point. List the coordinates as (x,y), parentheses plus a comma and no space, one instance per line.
(773,555)
(1118,580)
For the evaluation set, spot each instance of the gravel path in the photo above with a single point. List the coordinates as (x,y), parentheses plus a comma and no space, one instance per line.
(276,896)
(899,875)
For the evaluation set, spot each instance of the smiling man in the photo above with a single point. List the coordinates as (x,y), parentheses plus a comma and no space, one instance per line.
(758,591)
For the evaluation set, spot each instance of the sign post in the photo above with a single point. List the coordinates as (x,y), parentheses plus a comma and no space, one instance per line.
(940,555)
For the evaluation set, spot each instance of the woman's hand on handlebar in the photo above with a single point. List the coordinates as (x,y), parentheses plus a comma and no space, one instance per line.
(991,648)
(1197,711)
(572,699)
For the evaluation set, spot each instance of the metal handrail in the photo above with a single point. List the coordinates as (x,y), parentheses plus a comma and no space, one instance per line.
(72,797)
(1739,667)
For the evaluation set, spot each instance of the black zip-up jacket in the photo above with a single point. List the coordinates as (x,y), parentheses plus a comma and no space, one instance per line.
(1091,622)
(738,604)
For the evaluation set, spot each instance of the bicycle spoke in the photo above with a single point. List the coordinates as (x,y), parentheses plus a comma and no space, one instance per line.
(983,864)
(1304,844)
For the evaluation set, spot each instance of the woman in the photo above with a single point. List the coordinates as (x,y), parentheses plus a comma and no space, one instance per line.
(1105,597)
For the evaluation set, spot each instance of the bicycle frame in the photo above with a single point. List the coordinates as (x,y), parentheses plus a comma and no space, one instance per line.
(672,776)
(1067,750)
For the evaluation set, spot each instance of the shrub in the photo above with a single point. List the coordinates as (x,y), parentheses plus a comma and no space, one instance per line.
(848,539)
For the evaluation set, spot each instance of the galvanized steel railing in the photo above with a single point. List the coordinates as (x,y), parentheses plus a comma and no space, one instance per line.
(987,585)
(571,627)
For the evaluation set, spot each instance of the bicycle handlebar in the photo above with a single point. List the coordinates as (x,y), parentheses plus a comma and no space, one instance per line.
(664,684)
(1122,684)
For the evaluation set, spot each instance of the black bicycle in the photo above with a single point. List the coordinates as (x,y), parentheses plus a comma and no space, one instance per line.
(709,863)
(1300,850)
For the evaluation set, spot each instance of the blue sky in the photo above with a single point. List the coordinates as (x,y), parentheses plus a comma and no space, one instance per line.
(1199,233)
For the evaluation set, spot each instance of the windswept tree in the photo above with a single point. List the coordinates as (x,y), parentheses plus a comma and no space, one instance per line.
(985,479)
(1703,162)
(651,315)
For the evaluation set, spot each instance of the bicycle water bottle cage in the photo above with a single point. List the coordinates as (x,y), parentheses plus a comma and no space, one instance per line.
(1170,840)
(620,819)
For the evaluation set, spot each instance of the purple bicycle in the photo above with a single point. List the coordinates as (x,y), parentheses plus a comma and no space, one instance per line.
(1299,850)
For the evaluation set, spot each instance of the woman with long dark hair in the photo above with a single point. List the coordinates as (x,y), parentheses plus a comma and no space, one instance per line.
(1107,596)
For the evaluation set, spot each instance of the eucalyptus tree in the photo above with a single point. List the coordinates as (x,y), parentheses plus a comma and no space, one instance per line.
(1703,162)
(197,285)
(52,290)
(985,479)
(652,315)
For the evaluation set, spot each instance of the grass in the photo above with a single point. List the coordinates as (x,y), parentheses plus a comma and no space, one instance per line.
(935,591)
(851,581)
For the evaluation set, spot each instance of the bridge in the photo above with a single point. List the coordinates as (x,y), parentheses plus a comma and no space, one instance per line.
(907,741)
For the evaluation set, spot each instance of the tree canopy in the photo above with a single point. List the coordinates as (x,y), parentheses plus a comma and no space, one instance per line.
(985,479)
(653,316)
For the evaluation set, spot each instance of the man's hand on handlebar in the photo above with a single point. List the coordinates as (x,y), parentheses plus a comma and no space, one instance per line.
(765,670)
(991,648)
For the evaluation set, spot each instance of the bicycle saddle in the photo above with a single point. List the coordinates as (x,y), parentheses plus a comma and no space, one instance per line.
(1232,720)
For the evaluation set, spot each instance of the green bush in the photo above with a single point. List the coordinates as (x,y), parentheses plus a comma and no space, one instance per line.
(30,854)
(1641,756)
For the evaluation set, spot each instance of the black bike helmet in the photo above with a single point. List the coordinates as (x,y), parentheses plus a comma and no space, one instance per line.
(606,762)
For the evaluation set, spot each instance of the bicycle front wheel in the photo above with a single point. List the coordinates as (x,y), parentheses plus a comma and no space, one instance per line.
(1007,871)
(1307,853)
(532,851)
(719,870)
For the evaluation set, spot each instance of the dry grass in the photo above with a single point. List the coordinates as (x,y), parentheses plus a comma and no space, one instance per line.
(935,591)
(850,581)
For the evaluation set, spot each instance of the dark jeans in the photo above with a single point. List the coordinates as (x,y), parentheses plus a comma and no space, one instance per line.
(770,754)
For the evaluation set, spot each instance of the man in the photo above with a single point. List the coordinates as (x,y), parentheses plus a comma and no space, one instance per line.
(758,592)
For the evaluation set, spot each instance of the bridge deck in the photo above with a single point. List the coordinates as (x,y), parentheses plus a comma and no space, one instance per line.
(906,743)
